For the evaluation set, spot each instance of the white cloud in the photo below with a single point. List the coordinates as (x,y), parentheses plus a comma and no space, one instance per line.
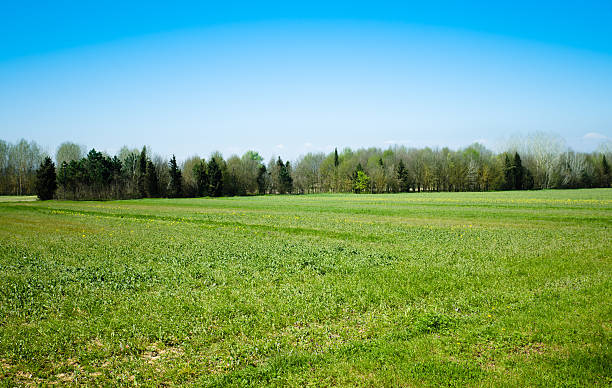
(595,136)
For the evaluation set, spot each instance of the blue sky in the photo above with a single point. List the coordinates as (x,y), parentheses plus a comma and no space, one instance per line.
(282,78)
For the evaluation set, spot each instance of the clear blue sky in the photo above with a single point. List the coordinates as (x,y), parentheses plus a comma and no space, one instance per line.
(287,78)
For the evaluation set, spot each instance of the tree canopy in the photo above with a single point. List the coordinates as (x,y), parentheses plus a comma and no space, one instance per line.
(531,163)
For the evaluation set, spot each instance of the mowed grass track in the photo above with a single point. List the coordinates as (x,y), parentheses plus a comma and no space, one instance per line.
(509,288)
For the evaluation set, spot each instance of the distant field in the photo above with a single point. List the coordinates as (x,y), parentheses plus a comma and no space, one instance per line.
(17,198)
(505,288)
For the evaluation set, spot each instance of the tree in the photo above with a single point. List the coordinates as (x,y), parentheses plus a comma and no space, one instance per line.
(262,179)
(402,177)
(250,163)
(162,170)
(285,181)
(190,174)
(287,176)
(361,182)
(176,179)
(234,177)
(67,152)
(129,170)
(518,172)
(307,173)
(605,172)
(215,178)
(46,182)
(201,175)
(508,173)
(25,157)
(98,174)
(142,171)
(336,160)
(150,181)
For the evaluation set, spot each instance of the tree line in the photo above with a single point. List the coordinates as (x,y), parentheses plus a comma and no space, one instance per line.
(538,162)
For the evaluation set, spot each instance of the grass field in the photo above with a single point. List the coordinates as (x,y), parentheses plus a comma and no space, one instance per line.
(17,198)
(507,288)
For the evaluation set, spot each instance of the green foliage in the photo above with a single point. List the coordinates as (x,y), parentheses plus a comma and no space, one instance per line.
(606,175)
(67,152)
(361,182)
(176,179)
(201,175)
(519,172)
(142,172)
(516,177)
(151,182)
(254,156)
(215,178)
(397,169)
(262,175)
(403,176)
(285,181)
(46,181)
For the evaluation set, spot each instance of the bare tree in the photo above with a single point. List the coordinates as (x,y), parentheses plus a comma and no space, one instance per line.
(68,151)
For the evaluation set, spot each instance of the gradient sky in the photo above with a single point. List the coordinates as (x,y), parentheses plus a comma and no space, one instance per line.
(282,78)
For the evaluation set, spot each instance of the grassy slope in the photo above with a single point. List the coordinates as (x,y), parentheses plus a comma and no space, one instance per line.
(467,288)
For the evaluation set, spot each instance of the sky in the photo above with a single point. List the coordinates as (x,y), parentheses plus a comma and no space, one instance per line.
(288,78)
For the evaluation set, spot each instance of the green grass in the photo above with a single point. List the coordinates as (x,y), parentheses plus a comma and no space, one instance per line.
(478,289)
(17,198)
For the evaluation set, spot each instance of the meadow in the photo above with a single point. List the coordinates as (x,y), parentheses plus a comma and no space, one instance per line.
(477,289)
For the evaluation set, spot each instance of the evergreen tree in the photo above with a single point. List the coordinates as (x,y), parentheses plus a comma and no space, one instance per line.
(215,178)
(150,181)
(518,172)
(285,181)
(201,175)
(46,182)
(336,160)
(142,172)
(176,178)
(288,179)
(261,179)
(402,176)
(528,181)
(605,171)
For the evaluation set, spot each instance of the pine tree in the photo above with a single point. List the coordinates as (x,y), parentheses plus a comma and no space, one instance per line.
(336,164)
(288,179)
(46,180)
(142,172)
(402,176)
(176,178)
(261,179)
(215,178)
(518,172)
(285,181)
(150,181)
(605,170)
